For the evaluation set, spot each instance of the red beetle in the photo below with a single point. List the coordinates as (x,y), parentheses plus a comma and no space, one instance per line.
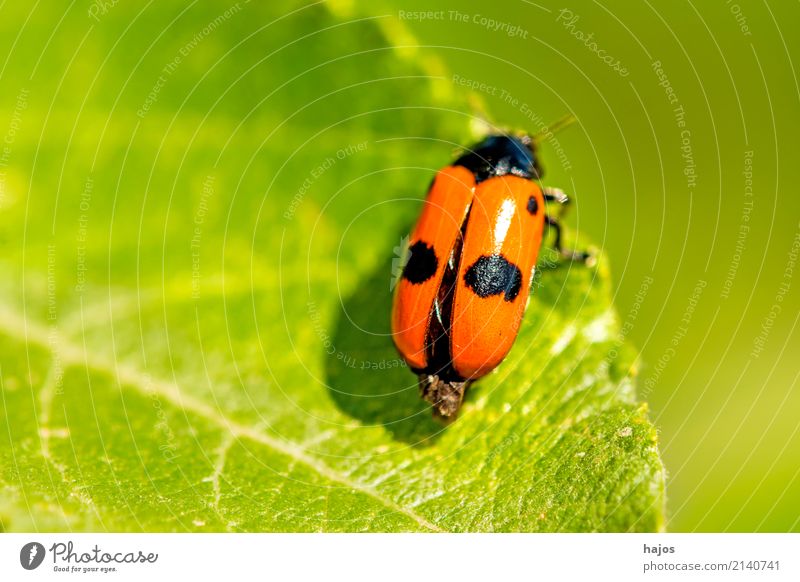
(463,292)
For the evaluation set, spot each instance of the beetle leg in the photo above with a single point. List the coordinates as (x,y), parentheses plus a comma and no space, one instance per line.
(558,195)
(584,257)
(555,195)
(556,226)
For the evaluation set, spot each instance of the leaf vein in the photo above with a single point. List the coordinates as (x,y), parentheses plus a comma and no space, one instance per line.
(71,354)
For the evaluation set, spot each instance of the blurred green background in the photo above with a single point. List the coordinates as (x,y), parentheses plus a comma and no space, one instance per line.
(717,251)
(682,166)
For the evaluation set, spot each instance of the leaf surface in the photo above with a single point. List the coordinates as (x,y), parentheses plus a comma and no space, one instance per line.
(199,216)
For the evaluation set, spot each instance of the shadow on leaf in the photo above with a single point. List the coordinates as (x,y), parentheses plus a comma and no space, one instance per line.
(367,378)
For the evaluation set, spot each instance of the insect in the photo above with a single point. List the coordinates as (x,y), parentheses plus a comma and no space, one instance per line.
(472,254)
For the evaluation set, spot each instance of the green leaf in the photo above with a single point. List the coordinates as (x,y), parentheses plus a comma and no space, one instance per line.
(194,308)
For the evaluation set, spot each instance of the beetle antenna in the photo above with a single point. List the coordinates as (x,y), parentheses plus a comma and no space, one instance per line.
(562,123)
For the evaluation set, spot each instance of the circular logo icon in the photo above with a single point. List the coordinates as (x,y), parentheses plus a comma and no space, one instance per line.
(31,555)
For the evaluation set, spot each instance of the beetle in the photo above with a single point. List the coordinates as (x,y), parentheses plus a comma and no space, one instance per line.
(464,289)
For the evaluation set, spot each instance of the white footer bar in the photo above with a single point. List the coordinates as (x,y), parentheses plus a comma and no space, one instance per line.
(400,557)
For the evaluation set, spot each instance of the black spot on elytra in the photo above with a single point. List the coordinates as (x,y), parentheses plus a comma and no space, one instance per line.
(533,205)
(493,275)
(421,264)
